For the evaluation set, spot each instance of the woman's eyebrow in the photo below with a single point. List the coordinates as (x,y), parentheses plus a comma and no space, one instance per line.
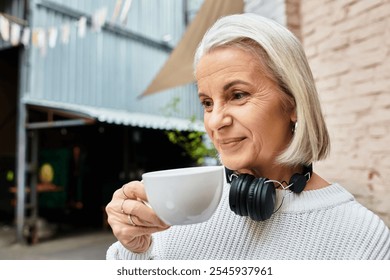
(233,83)
(201,94)
(227,86)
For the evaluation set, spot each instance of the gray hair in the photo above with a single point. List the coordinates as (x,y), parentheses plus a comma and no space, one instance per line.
(282,54)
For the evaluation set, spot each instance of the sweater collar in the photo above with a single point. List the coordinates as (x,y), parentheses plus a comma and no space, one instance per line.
(327,197)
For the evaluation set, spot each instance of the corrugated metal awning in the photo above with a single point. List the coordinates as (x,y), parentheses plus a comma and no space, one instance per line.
(117,116)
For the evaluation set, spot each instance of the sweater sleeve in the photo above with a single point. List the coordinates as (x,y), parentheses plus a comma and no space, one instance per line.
(381,243)
(118,252)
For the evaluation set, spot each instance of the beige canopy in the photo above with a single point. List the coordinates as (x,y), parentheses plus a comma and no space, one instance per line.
(178,68)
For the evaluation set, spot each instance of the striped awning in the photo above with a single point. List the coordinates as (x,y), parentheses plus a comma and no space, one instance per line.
(117,116)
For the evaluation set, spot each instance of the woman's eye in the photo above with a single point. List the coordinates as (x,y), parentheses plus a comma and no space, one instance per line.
(239,95)
(207,104)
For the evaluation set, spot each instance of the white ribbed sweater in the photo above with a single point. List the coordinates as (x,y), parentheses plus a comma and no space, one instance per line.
(315,225)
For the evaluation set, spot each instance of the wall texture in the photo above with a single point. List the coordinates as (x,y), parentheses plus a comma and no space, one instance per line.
(293,17)
(348,46)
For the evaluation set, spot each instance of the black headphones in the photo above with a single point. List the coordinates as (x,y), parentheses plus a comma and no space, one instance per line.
(255,197)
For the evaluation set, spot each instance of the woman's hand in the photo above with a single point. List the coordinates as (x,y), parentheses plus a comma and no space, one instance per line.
(132,221)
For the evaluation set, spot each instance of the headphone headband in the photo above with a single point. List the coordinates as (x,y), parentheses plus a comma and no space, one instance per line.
(307,172)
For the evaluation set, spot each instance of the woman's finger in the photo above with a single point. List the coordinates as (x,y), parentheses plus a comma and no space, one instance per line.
(133,190)
(125,231)
(141,214)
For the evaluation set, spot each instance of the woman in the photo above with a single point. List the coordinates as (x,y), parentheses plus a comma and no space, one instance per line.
(262,112)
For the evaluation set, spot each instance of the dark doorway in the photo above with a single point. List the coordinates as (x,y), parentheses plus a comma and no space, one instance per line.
(9,73)
(91,162)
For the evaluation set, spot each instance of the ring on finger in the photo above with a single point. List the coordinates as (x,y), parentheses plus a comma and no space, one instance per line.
(123,202)
(131,222)
(123,191)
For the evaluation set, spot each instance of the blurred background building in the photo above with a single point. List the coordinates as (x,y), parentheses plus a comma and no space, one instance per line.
(73,125)
(84,106)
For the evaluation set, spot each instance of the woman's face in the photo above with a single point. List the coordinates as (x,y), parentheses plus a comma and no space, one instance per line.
(243,111)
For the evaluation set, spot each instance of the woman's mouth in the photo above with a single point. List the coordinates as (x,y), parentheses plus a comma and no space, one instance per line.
(229,143)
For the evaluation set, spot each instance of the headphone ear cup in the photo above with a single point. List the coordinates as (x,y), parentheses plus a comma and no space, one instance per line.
(268,198)
(243,193)
(297,182)
(261,199)
(238,194)
(253,201)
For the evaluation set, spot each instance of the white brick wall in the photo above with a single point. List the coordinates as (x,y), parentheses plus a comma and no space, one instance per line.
(348,46)
(347,43)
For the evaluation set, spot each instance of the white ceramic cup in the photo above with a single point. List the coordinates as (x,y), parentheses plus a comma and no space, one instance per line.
(186,195)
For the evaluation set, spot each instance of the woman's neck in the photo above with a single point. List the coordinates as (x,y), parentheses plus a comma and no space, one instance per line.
(284,173)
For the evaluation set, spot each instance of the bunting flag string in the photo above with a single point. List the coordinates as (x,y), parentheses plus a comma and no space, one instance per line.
(125,12)
(98,19)
(26,36)
(4,28)
(82,26)
(65,34)
(116,12)
(16,32)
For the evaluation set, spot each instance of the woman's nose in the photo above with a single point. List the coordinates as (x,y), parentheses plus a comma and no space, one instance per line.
(219,118)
